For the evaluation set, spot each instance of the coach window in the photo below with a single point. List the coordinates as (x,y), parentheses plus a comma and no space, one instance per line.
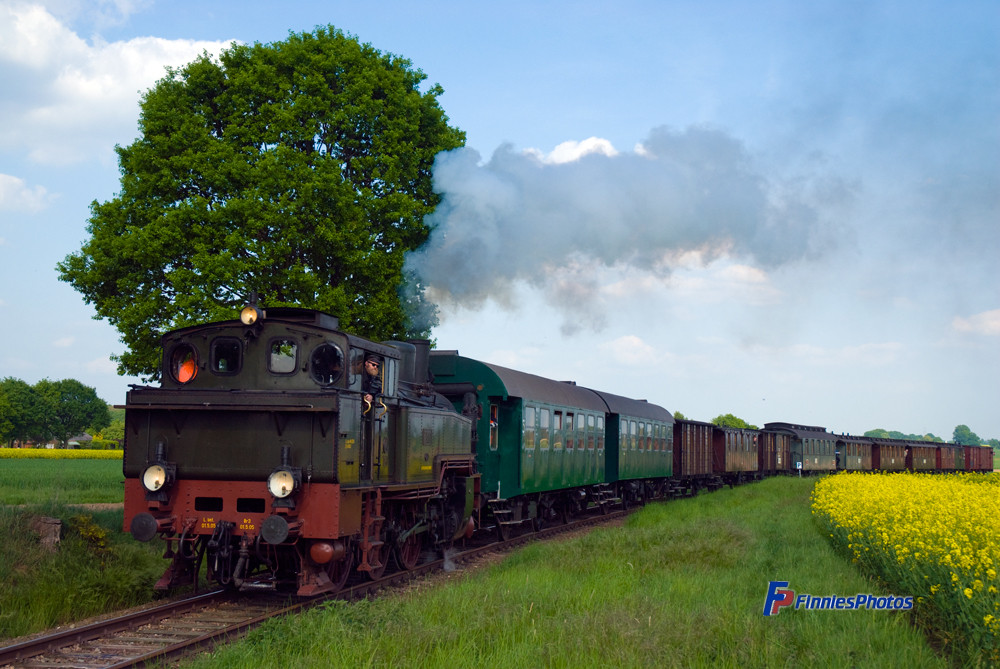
(326,364)
(590,432)
(494,425)
(570,426)
(636,435)
(283,355)
(600,433)
(557,426)
(226,355)
(543,429)
(529,428)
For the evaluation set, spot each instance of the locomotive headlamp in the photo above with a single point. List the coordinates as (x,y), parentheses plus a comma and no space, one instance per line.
(154,478)
(250,314)
(282,483)
(159,475)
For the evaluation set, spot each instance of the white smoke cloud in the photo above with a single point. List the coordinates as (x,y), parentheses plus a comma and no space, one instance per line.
(556,222)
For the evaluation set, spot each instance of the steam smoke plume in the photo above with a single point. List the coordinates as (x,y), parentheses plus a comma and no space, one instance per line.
(520,218)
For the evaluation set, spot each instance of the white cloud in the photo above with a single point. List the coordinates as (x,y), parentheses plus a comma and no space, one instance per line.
(64,342)
(101,366)
(16,195)
(69,100)
(572,150)
(632,351)
(985,323)
(874,354)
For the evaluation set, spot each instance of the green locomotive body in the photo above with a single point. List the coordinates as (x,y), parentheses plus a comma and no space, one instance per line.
(266,452)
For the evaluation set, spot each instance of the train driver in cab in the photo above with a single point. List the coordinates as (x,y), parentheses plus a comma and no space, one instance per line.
(373,378)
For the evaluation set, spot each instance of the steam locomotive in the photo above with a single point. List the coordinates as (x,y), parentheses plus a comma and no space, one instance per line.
(279,451)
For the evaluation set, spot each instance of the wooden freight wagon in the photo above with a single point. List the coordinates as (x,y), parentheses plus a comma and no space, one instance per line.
(921,456)
(773,453)
(978,458)
(734,454)
(950,458)
(888,455)
(693,456)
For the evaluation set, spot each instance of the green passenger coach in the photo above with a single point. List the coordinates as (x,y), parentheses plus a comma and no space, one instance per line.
(547,449)
(640,447)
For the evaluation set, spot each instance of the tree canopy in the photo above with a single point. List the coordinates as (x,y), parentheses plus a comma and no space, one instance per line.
(49,409)
(963,435)
(299,170)
(729,420)
(881,433)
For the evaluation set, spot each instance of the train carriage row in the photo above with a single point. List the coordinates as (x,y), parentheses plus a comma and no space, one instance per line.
(279,450)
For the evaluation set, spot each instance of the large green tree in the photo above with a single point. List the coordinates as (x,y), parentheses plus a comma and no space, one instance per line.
(299,170)
(963,435)
(72,408)
(26,411)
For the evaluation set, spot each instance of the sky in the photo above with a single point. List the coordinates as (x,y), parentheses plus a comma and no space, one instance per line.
(788,211)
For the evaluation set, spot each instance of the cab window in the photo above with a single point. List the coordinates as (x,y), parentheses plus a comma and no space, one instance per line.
(226,355)
(184,363)
(326,364)
(283,356)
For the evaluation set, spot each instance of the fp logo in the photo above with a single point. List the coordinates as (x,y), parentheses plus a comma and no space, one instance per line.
(777,596)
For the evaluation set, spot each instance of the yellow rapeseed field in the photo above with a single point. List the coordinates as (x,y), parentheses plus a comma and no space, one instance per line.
(935,537)
(59,454)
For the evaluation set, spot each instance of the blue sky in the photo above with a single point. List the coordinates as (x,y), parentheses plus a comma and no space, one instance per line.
(787,211)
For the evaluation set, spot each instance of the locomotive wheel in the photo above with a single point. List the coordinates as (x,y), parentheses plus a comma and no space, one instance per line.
(340,570)
(381,553)
(503,531)
(408,553)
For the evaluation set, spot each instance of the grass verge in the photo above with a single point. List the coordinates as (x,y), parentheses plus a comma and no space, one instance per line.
(96,568)
(681,585)
(39,481)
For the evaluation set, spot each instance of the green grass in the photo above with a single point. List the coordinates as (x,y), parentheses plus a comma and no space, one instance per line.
(97,568)
(33,481)
(682,585)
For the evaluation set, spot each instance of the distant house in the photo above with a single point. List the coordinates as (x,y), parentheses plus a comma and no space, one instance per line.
(79,441)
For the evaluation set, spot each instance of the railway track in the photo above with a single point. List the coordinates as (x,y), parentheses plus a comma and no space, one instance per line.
(157,635)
